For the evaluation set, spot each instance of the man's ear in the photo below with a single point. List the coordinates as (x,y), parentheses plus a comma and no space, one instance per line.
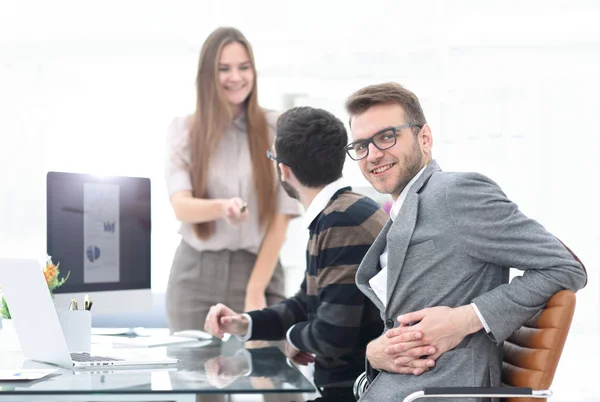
(426,139)
(286,172)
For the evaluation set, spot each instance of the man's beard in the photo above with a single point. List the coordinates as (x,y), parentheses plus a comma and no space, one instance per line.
(291,191)
(413,162)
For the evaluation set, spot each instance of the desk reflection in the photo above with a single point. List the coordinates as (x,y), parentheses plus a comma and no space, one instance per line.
(218,368)
(263,368)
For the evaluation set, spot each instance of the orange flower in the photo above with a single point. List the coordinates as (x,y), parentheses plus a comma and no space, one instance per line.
(50,273)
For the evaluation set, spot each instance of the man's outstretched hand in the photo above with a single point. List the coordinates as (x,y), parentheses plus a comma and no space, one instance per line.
(221,319)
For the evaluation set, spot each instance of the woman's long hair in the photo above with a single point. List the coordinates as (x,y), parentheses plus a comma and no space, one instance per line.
(213,117)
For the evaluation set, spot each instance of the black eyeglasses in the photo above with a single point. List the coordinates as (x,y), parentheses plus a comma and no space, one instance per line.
(273,157)
(382,140)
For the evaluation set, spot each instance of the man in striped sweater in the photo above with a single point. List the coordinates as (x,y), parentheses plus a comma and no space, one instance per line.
(329,321)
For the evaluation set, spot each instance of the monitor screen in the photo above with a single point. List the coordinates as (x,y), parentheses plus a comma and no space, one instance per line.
(98,229)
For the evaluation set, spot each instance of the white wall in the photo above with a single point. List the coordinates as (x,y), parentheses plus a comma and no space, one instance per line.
(509,88)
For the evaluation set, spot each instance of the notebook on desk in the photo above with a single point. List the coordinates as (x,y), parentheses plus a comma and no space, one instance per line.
(36,321)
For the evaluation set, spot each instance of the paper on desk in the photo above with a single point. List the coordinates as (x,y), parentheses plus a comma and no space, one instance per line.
(24,374)
(146,341)
(110,331)
(137,331)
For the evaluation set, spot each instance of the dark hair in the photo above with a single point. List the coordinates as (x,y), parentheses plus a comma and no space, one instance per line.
(311,142)
(385,94)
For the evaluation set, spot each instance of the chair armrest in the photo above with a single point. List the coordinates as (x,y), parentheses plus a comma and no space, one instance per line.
(478,392)
(360,385)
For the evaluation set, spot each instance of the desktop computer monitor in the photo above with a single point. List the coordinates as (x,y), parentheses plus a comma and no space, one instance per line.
(98,229)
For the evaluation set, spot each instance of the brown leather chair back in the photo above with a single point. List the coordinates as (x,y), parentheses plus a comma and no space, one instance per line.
(531,354)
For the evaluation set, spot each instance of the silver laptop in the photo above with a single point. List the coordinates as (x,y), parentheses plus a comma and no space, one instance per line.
(37,325)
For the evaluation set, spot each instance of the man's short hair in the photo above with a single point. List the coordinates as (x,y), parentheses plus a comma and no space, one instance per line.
(311,142)
(387,93)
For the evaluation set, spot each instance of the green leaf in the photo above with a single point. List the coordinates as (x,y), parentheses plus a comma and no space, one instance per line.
(4,311)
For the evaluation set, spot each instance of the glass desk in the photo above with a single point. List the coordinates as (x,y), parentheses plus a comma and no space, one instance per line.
(219,368)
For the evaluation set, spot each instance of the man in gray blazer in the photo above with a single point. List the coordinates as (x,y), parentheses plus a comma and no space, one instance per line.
(439,270)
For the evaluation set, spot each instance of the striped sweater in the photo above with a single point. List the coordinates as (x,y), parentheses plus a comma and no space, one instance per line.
(331,318)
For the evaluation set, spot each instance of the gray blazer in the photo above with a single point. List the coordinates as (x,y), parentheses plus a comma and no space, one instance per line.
(453,243)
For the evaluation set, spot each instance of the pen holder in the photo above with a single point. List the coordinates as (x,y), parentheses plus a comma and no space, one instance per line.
(77,328)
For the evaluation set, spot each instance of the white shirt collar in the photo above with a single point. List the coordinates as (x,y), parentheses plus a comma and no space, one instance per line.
(400,200)
(321,200)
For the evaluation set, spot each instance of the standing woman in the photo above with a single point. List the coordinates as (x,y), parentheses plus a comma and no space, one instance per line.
(223,190)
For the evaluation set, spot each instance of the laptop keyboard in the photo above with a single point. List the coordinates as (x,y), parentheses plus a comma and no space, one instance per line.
(86,357)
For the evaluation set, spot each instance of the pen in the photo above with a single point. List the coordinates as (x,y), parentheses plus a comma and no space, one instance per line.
(89,306)
(74,302)
(243,208)
(86,302)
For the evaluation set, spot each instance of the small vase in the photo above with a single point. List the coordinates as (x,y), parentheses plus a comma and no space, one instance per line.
(9,341)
